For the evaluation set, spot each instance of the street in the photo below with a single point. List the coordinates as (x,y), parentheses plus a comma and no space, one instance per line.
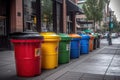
(100,64)
(114,41)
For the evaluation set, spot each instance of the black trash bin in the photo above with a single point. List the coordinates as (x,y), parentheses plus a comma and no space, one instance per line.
(98,41)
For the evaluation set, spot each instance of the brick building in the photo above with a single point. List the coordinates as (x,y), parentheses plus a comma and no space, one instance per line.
(21,15)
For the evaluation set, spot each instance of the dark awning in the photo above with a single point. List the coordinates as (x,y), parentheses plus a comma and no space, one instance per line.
(59,1)
(85,22)
(72,7)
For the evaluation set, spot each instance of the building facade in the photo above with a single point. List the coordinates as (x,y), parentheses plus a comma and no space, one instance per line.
(22,15)
(83,24)
(11,19)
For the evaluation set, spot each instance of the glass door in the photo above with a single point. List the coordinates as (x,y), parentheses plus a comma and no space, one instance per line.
(2,26)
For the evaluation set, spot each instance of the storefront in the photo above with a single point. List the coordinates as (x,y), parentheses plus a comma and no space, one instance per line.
(72,11)
(36,15)
(4,23)
(22,15)
(29,14)
(58,16)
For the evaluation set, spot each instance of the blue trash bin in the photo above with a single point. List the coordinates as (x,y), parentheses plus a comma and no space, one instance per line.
(84,44)
(75,46)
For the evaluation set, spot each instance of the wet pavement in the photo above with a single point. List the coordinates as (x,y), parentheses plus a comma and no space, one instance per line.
(101,64)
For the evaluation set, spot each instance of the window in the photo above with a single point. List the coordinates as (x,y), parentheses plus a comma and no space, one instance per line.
(2,26)
(30,15)
(3,15)
(47,15)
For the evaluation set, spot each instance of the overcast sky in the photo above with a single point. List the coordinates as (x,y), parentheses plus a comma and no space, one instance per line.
(115,6)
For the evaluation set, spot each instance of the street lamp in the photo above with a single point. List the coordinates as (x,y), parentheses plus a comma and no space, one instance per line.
(110,26)
(109,34)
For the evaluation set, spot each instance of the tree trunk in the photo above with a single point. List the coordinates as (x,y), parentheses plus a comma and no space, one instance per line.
(94,26)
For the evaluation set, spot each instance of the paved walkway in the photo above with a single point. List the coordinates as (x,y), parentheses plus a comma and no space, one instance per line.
(101,64)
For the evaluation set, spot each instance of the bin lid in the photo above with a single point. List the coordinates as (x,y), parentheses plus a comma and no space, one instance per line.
(95,35)
(64,36)
(50,35)
(74,35)
(84,36)
(25,35)
(91,37)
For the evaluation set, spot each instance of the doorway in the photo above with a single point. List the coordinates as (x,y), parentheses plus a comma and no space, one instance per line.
(4,24)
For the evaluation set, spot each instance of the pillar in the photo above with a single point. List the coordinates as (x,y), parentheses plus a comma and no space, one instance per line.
(16,12)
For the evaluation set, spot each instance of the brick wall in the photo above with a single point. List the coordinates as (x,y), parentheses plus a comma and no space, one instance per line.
(16,16)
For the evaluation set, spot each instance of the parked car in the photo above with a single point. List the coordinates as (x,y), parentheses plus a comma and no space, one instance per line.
(118,34)
(114,35)
(105,35)
(101,36)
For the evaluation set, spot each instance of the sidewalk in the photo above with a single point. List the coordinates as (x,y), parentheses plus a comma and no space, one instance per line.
(101,64)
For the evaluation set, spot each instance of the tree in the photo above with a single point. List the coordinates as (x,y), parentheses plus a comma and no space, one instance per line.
(94,10)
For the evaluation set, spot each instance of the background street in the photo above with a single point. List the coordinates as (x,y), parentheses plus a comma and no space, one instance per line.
(114,41)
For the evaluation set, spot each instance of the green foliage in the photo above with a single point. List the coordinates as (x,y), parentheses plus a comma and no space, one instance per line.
(94,9)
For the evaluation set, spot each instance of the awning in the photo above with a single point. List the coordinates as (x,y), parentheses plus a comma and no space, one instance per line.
(85,22)
(59,1)
(88,31)
(72,7)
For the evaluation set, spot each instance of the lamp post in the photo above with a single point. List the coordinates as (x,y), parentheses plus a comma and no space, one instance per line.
(109,34)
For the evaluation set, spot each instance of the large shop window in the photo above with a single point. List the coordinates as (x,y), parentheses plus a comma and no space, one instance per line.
(3,17)
(30,15)
(47,15)
(2,25)
(30,20)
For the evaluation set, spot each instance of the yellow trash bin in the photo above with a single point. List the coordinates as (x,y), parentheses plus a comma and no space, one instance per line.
(49,50)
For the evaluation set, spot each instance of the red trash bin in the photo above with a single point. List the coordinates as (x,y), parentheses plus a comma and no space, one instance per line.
(27,53)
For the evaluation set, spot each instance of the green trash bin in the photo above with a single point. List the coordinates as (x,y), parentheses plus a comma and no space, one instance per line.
(64,49)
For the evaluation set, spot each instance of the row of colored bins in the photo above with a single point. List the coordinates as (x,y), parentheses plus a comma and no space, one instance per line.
(90,42)
(31,51)
(48,51)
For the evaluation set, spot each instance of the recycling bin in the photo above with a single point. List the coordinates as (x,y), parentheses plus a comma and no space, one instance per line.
(49,50)
(95,41)
(84,43)
(75,46)
(27,53)
(64,48)
(98,41)
(91,43)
